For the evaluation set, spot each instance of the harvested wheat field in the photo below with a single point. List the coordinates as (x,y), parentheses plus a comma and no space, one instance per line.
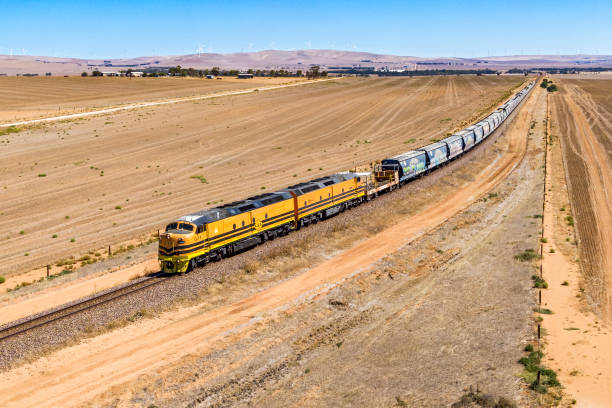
(81,185)
(576,239)
(394,303)
(23,98)
(582,112)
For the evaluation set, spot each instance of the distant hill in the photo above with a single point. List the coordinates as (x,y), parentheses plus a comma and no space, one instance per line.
(292,60)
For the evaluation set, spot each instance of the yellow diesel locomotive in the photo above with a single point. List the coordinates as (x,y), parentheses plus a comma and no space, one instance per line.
(209,235)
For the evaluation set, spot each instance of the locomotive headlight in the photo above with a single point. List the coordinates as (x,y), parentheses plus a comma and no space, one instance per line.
(181,241)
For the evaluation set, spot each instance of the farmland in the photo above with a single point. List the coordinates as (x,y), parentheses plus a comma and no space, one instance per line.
(72,187)
(29,98)
(583,114)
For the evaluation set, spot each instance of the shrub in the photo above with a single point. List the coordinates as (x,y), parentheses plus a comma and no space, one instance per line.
(42,175)
(527,255)
(84,74)
(201,178)
(543,310)
(54,236)
(539,282)
(552,88)
(543,240)
(2,279)
(565,283)
(569,220)
(117,207)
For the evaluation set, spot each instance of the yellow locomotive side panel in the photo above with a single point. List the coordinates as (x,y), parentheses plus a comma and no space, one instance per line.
(273,215)
(229,230)
(314,201)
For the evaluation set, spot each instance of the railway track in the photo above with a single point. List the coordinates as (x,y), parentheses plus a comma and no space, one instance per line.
(20,327)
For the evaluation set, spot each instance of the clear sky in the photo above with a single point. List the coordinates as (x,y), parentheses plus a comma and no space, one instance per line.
(130,28)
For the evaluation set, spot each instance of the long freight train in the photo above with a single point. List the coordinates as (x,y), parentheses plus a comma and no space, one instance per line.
(212,234)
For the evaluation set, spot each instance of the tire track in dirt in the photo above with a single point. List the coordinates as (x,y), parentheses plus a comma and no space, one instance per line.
(75,380)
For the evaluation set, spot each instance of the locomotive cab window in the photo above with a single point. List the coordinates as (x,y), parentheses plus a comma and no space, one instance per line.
(171,226)
(186,227)
(200,229)
(234,226)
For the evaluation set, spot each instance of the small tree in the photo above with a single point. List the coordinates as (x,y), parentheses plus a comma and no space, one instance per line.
(298,73)
(215,71)
(96,73)
(552,88)
(313,72)
(83,74)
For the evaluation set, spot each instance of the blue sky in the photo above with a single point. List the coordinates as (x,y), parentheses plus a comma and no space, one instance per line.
(115,29)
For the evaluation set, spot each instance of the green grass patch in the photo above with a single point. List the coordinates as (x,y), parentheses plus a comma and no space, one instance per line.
(201,178)
(9,130)
(542,310)
(532,363)
(527,255)
(539,282)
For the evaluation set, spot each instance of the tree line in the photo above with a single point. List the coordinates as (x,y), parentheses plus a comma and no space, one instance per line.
(312,73)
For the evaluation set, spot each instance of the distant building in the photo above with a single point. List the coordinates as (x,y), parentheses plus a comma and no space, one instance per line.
(109,74)
(245,76)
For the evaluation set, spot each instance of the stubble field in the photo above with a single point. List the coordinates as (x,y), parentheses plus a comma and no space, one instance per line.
(29,98)
(71,187)
(583,112)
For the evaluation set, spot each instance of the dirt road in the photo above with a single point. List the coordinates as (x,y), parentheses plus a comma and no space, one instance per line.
(70,188)
(74,375)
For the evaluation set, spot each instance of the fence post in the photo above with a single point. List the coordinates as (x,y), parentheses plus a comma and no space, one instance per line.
(540,296)
(48,268)
(109,250)
(538,379)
